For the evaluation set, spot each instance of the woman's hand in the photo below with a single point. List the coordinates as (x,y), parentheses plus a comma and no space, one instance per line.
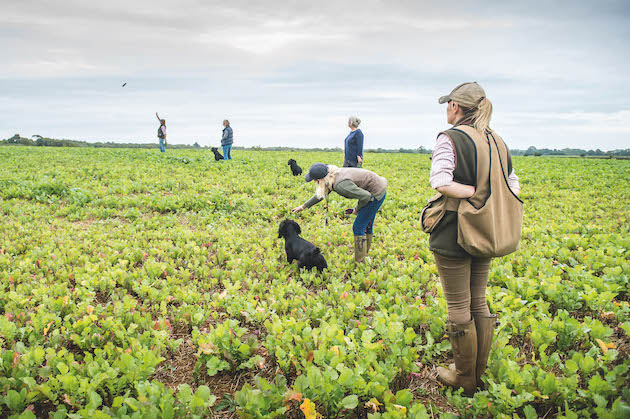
(354,212)
(297,209)
(360,159)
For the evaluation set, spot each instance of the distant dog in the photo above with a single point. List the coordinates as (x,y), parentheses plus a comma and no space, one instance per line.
(217,155)
(297,170)
(306,253)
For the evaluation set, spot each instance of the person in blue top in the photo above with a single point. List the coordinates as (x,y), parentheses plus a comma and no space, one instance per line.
(227,140)
(353,147)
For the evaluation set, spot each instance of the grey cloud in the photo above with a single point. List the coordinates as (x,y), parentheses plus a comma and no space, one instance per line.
(312,63)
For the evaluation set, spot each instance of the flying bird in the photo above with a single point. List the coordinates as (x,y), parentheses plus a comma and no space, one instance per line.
(124,84)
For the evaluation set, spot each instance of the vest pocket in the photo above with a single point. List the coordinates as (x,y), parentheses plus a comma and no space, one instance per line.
(433,212)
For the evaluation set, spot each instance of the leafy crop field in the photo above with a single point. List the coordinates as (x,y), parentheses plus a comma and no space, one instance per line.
(140,284)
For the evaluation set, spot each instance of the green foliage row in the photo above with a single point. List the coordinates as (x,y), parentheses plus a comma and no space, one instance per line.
(112,262)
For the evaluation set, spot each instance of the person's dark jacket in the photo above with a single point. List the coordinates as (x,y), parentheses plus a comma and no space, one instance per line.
(227,136)
(354,147)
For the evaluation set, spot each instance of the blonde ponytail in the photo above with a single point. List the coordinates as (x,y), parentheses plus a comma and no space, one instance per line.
(482,116)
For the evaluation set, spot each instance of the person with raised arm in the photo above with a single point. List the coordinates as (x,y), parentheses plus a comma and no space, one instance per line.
(161,133)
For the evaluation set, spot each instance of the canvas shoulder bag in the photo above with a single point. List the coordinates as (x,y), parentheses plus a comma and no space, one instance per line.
(490,221)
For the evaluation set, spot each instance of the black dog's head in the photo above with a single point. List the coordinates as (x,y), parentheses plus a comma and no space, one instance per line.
(214,149)
(291,162)
(286,226)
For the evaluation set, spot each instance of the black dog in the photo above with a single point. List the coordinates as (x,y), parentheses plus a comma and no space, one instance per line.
(297,170)
(217,155)
(306,253)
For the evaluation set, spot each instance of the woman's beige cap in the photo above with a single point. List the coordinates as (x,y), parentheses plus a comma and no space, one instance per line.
(466,94)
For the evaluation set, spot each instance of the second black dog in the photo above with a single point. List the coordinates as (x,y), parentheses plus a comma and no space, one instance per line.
(297,170)
(306,253)
(217,155)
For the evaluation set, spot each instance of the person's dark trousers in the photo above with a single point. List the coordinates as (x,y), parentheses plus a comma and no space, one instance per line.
(364,223)
(162,145)
(347,163)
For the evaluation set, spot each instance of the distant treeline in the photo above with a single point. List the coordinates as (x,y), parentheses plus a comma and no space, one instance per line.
(533,151)
(39,141)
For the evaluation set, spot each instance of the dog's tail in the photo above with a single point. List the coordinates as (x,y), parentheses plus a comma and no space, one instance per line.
(312,255)
(321,264)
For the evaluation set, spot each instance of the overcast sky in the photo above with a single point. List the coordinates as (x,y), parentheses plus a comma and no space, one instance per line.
(291,72)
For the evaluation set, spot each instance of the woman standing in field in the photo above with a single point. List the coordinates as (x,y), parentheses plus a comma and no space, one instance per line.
(161,133)
(469,161)
(353,144)
(227,140)
(366,186)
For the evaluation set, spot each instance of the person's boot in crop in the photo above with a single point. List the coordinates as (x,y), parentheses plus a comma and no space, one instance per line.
(360,248)
(463,339)
(485,332)
(369,242)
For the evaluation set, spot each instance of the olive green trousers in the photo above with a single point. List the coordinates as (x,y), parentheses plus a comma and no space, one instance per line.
(464,282)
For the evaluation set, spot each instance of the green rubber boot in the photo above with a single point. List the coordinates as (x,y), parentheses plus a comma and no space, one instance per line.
(485,332)
(360,248)
(463,339)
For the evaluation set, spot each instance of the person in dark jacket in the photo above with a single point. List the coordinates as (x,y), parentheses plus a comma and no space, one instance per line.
(367,187)
(353,145)
(227,140)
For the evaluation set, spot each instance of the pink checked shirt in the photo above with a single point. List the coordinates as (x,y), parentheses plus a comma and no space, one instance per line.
(443,165)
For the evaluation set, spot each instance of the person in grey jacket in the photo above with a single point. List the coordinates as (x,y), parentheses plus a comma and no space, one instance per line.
(227,140)
(367,187)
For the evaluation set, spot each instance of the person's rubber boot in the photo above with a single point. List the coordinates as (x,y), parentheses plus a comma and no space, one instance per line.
(360,248)
(463,339)
(485,333)
(369,242)
(485,327)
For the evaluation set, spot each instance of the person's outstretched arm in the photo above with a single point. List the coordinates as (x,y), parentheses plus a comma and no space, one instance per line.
(314,200)
(158,117)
